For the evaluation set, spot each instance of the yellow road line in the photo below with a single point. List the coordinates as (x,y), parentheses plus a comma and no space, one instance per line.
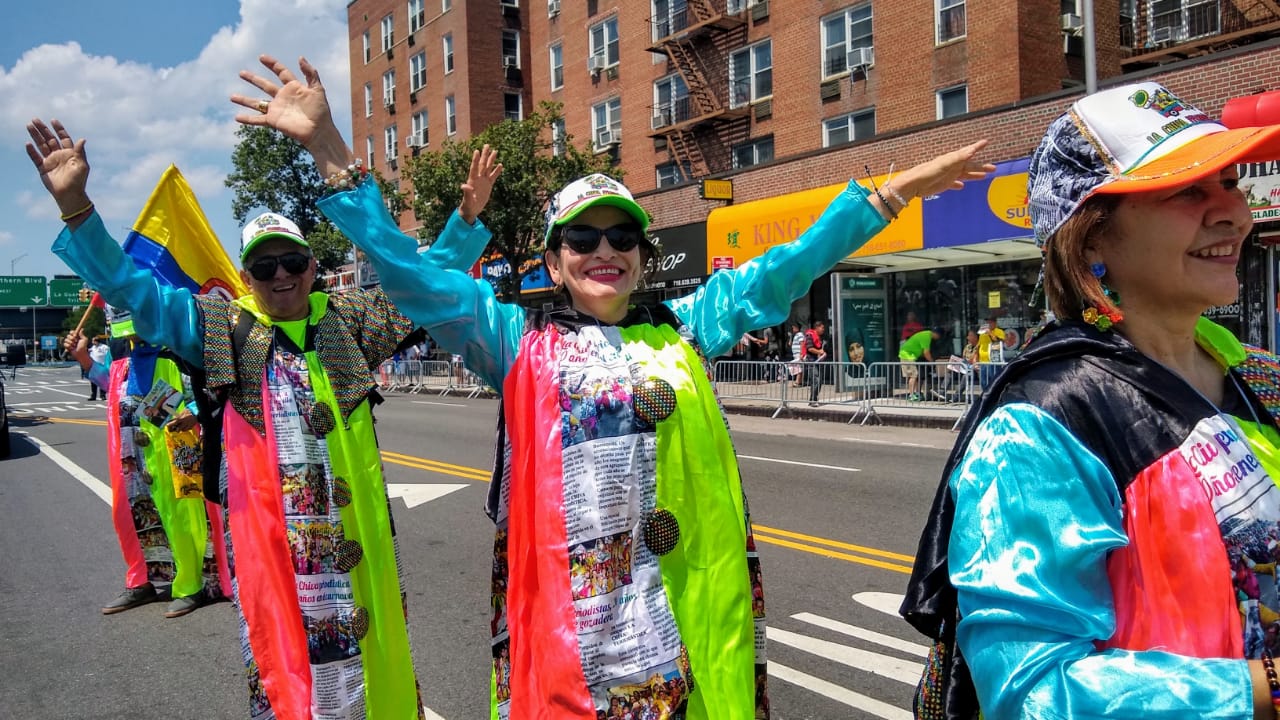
(74,421)
(904,569)
(444,470)
(834,543)
(395,456)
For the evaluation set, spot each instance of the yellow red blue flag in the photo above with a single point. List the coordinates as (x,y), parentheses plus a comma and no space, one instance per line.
(172,238)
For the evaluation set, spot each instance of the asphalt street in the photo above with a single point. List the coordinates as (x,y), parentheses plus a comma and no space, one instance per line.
(837,510)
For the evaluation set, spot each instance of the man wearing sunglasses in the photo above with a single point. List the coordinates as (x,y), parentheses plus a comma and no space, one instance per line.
(310,534)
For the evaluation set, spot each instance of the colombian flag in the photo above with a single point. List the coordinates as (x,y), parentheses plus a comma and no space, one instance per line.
(172,239)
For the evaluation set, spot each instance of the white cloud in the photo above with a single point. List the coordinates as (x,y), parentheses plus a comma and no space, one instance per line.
(139,118)
(6,237)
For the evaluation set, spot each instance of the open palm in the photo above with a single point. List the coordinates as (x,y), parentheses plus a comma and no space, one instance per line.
(61,162)
(297,108)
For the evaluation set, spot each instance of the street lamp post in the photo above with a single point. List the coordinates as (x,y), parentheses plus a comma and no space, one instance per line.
(15,262)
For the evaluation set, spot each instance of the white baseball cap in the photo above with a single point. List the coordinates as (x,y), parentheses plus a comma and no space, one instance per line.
(266,226)
(586,192)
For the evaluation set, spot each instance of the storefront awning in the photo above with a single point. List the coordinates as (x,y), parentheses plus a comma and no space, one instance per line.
(934,258)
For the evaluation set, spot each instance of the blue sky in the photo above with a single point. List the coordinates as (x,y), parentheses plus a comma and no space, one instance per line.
(146,82)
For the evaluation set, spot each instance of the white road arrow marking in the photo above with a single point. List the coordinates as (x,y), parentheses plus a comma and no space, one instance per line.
(863,634)
(887,603)
(416,494)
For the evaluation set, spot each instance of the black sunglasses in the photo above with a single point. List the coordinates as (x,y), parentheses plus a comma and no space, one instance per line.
(294,263)
(584,239)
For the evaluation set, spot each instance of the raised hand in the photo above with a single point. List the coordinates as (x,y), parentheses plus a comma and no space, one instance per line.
(76,345)
(297,108)
(61,162)
(945,172)
(484,172)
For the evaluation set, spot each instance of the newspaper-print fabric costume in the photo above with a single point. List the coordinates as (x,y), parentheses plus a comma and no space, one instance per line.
(168,532)
(316,581)
(624,575)
(1168,582)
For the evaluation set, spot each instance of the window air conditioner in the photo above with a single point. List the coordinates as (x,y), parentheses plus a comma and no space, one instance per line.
(596,63)
(389,100)
(605,138)
(661,118)
(1162,35)
(509,62)
(553,8)
(863,57)
(1071,22)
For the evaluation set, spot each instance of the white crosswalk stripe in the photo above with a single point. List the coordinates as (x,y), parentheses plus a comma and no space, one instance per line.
(901,661)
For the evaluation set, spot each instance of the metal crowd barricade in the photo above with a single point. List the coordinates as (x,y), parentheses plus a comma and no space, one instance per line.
(462,380)
(434,375)
(941,389)
(758,380)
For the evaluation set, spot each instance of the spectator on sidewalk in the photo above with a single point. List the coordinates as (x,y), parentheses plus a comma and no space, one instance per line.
(796,368)
(911,327)
(815,349)
(98,353)
(991,348)
(917,346)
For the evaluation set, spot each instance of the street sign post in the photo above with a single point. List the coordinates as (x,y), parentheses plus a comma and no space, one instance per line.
(22,290)
(65,292)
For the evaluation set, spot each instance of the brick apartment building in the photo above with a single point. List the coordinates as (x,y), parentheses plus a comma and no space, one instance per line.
(785,100)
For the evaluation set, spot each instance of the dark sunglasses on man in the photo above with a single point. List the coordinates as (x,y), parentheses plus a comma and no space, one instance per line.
(294,263)
(584,239)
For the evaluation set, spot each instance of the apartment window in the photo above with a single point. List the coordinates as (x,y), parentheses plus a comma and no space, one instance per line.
(606,122)
(670,101)
(368,99)
(604,41)
(417,72)
(368,151)
(669,17)
(847,128)
(450,115)
(751,74)
(447,41)
(1128,23)
(418,128)
(950,19)
(558,135)
(753,153)
(368,50)
(388,87)
(557,66)
(389,136)
(672,174)
(1178,20)
(953,101)
(510,3)
(512,106)
(445,5)
(511,48)
(388,33)
(417,15)
(841,33)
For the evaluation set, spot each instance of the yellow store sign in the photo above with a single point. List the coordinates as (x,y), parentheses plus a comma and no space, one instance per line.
(746,231)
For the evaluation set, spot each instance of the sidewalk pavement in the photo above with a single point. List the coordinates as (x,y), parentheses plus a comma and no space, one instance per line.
(920,415)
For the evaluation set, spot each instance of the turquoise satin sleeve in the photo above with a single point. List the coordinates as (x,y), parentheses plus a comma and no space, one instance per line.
(462,314)
(459,245)
(759,294)
(100,372)
(1036,515)
(161,315)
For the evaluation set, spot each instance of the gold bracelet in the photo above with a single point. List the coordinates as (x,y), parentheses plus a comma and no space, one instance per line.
(78,213)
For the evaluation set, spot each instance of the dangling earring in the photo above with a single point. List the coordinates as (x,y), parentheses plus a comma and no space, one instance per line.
(1103,319)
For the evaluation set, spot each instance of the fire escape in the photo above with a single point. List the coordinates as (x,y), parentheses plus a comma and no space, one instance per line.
(696,36)
(1159,33)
